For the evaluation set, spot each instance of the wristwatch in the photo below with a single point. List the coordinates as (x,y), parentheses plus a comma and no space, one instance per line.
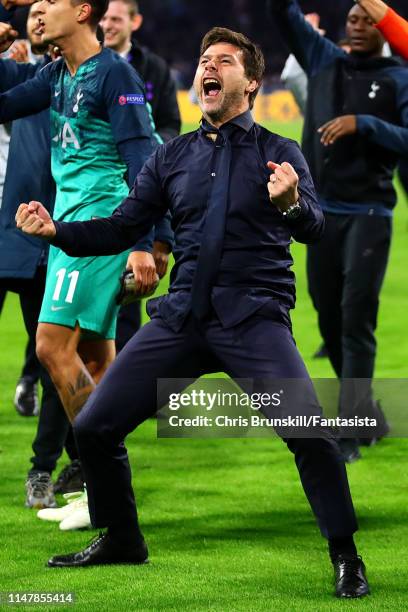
(293,211)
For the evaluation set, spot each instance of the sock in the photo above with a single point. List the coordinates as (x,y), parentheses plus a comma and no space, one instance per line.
(342,546)
(126,535)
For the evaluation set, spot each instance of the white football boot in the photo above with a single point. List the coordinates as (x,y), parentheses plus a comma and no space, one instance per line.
(77,519)
(75,500)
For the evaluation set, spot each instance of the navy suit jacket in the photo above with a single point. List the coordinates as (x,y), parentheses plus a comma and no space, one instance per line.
(255,266)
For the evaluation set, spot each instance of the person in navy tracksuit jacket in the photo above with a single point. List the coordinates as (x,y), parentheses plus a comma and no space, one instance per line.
(355,131)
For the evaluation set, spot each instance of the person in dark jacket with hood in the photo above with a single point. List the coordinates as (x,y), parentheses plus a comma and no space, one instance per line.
(356,129)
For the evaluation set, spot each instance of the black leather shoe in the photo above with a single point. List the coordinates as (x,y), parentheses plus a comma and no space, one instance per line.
(70,478)
(382,428)
(350,577)
(102,550)
(368,441)
(26,398)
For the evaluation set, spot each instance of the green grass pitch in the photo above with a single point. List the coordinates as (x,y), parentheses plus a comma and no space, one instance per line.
(226,521)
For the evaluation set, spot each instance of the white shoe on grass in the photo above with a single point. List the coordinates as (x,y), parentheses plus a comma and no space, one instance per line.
(78,519)
(76,500)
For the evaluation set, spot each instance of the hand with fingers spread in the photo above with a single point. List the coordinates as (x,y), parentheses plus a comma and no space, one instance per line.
(283,185)
(331,131)
(144,270)
(34,219)
(7,36)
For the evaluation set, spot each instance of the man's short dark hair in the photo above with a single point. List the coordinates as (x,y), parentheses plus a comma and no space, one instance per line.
(254,61)
(99,8)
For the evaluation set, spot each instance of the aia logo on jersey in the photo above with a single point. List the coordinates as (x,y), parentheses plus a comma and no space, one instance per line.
(131,99)
(66,136)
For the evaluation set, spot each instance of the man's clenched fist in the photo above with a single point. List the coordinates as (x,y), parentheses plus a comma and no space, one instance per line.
(35,220)
(7,36)
(283,185)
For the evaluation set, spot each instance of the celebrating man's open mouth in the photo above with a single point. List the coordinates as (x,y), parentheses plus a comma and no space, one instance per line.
(211,87)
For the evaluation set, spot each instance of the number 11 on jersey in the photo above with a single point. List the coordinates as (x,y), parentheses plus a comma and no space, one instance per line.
(73,279)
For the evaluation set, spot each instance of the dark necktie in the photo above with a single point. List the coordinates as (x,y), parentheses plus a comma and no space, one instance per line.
(212,239)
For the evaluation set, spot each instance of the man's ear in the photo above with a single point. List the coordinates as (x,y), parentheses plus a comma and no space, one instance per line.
(252,86)
(137,22)
(84,12)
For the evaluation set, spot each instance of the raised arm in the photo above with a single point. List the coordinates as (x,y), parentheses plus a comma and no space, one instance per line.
(312,51)
(293,74)
(395,29)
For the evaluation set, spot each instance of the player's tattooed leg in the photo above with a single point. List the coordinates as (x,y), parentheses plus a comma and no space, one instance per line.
(77,392)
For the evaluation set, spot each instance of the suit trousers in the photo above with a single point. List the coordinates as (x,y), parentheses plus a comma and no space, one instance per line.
(260,347)
(128,323)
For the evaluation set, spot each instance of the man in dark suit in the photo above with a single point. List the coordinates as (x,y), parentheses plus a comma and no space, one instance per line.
(229,300)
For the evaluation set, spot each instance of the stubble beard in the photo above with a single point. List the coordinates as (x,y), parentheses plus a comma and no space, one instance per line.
(231,100)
